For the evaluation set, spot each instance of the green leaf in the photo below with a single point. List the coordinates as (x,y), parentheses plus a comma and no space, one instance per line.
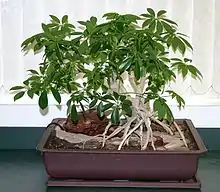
(81,105)
(175,59)
(194,71)
(151,11)
(159,46)
(95,47)
(30,93)
(33,78)
(38,47)
(103,56)
(100,109)
(169,114)
(132,18)
(27,41)
(152,26)
(116,95)
(89,26)
(68,103)
(170,21)
(93,103)
(82,22)
(178,98)
(187,60)
(122,98)
(114,41)
(115,117)
(50,69)
(108,97)
(184,72)
(74,114)
(159,27)
(54,18)
(45,28)
(26,82)
(163,110)
(127,102)
(181,46)
(19,95)
(16,88)
(182,68)
(137,70)
(72,26)
(159,108)
(167,27)
(64,19)
(93,20)
(83,47)
(127,109)
(146,15)
(51,25)
(165,59)
(33,71)
(175,43)
(125,65)
(161,12)
(146,23)
(107,106)
(110,15)
(43,100)
(56,94)
(187,43)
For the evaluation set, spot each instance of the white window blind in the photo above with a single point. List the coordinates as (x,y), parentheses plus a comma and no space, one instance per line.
(19,19)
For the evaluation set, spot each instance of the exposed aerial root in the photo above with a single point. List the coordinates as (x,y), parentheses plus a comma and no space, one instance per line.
(126,129)
(163,125)
(147,123)
(141,134)
(152,140)
(120,128)
(181,133)
(105,133)
(144,147)
(129,133)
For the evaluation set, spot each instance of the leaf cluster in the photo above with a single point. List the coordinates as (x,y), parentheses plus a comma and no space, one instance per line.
(102,52)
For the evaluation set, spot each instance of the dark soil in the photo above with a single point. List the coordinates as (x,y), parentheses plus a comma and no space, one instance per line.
(55,143)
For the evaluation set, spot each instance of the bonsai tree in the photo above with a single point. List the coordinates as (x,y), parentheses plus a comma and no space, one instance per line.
(121,68)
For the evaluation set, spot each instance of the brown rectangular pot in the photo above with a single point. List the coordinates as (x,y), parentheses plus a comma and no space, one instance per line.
(122,165)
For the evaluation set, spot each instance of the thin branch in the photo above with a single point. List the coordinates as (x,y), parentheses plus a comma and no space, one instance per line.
(132,93)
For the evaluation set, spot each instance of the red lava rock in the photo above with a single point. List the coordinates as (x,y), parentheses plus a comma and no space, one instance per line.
(91,125)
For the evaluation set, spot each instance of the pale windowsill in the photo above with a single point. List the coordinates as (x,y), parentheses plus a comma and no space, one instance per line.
(204,112)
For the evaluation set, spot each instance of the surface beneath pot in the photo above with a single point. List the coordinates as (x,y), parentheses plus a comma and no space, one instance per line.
(193,183)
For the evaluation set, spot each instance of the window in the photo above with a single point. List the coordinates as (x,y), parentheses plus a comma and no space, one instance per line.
(21,18)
